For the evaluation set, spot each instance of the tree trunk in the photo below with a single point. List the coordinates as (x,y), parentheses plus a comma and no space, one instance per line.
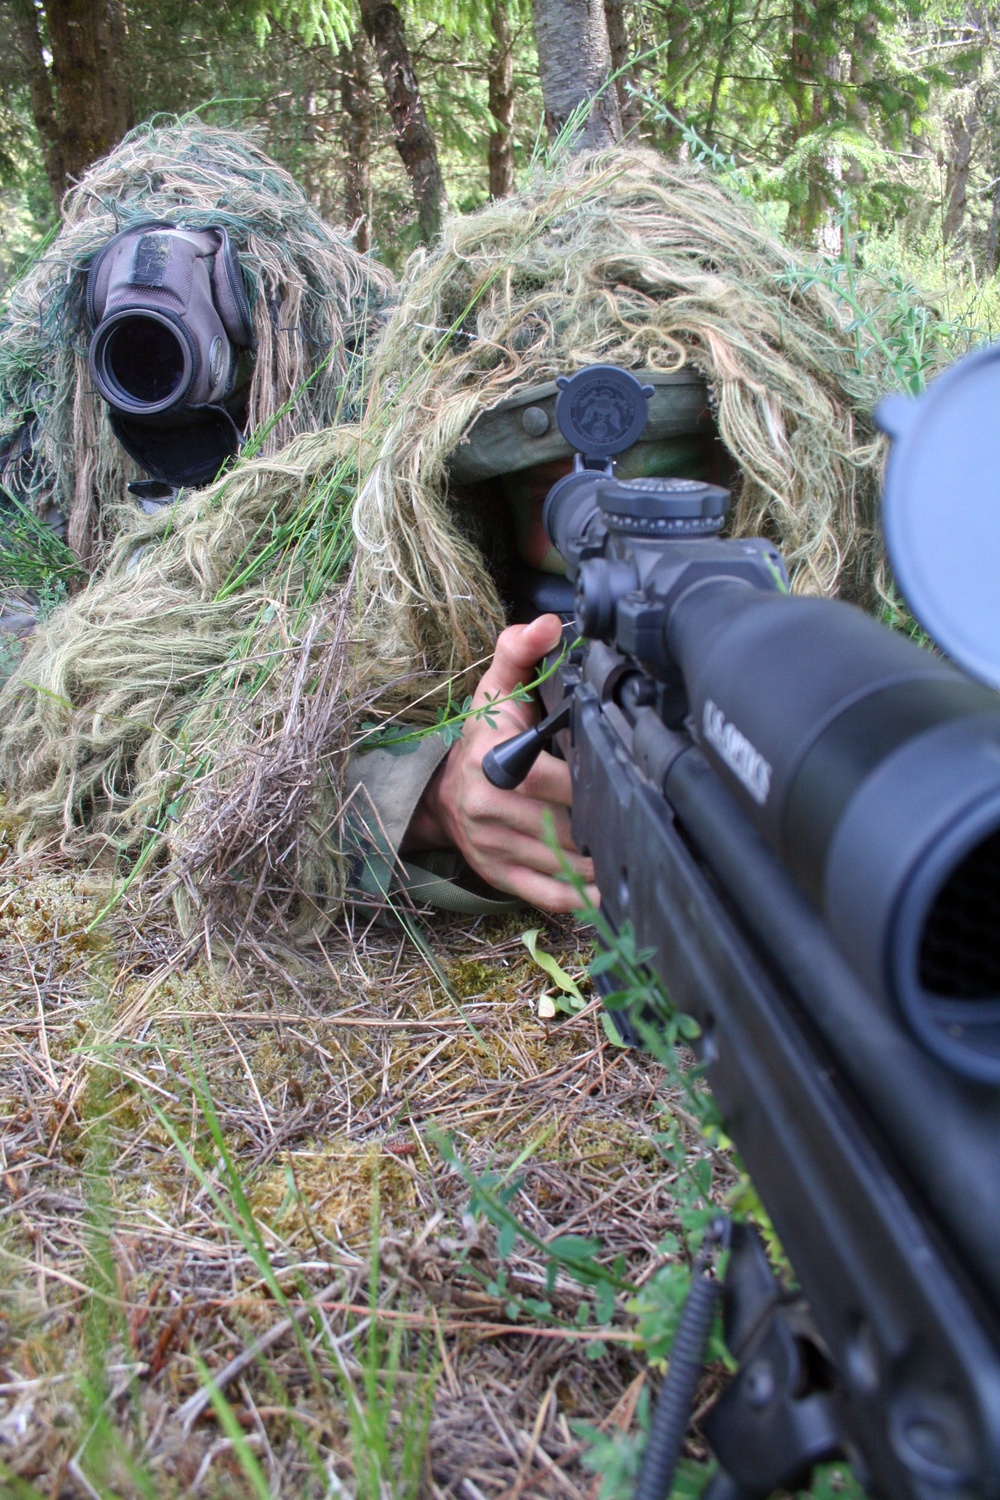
(815,73)
(828,191)
(858,108)
(43,104)
(87,77)
(618,41)
(501,86)
(119,43)
(721,59)
(356,98)
(677,27)
(994,232)
(574,59)
(957,180)
(415,142)
(800,209)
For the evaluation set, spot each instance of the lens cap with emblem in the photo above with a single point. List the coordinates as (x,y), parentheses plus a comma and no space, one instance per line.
(941,508)
(602,410)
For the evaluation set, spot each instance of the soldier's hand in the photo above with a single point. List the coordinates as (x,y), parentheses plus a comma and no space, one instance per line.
(503,835)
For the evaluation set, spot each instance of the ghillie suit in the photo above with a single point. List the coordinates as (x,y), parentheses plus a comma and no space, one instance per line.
(202,670)
(623,259)
(313,298)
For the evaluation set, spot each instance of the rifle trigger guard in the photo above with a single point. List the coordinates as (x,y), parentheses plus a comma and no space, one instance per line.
(778,1416)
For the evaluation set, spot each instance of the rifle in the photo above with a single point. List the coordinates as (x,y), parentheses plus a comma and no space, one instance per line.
(797,811)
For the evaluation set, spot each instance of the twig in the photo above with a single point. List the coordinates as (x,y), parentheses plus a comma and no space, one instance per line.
(188,1414)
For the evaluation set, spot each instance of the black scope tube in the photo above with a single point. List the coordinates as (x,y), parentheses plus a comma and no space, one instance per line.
(872,768)
(942,1127)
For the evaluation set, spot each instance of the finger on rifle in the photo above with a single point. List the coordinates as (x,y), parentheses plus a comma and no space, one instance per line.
(497,814)
(544,892)
(522,849)
(519,649)
(549,781)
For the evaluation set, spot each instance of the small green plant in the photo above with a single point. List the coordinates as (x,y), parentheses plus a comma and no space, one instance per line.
(50,596)
(32,556)
(617,1457)
(568,998)
(491,1195)
(10,655)
(896,330)
(452,717)
(389,1424)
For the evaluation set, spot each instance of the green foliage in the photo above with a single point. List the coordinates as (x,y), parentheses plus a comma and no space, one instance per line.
(464,18)
(451,717)
(10,654)
(893,323)
(491,1194)
(808,100)
(617,1457)
(796,93)
(687,1143)
(31,555)
(330,21)
(569,998)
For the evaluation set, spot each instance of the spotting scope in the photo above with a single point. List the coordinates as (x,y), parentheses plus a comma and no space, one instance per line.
(169,351)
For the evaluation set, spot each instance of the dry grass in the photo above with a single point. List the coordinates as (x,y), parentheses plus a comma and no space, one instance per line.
(328,1077)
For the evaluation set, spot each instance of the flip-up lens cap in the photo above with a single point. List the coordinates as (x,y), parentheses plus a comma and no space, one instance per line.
(602,410)
(941,509)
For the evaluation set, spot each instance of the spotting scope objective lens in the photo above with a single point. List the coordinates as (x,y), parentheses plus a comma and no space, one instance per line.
(141,363)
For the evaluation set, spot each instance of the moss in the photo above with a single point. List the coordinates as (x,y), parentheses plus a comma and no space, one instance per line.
(332,1187)
(469,977)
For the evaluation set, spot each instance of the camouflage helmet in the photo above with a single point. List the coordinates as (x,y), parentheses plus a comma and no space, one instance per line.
(521,432)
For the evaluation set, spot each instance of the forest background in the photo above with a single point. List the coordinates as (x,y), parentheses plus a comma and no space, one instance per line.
(867,132)
(878,119)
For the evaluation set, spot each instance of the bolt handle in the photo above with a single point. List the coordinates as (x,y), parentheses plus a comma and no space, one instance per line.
(507,764)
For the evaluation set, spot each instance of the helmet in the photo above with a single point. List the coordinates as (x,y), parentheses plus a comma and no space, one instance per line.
(522,431)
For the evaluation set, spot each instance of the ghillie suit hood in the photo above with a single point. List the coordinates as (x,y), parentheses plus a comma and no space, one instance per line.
(314,300)
(622,259)
(161,682)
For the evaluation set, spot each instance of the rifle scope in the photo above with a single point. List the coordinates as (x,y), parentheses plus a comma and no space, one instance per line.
(869,764)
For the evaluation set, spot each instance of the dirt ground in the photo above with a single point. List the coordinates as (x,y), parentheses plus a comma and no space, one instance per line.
(240,1171)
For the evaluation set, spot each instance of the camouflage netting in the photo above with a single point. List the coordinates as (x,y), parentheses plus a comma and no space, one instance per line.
(120,715)
(314,301)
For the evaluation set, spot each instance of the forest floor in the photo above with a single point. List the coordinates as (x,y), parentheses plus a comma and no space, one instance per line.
(236,1249)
